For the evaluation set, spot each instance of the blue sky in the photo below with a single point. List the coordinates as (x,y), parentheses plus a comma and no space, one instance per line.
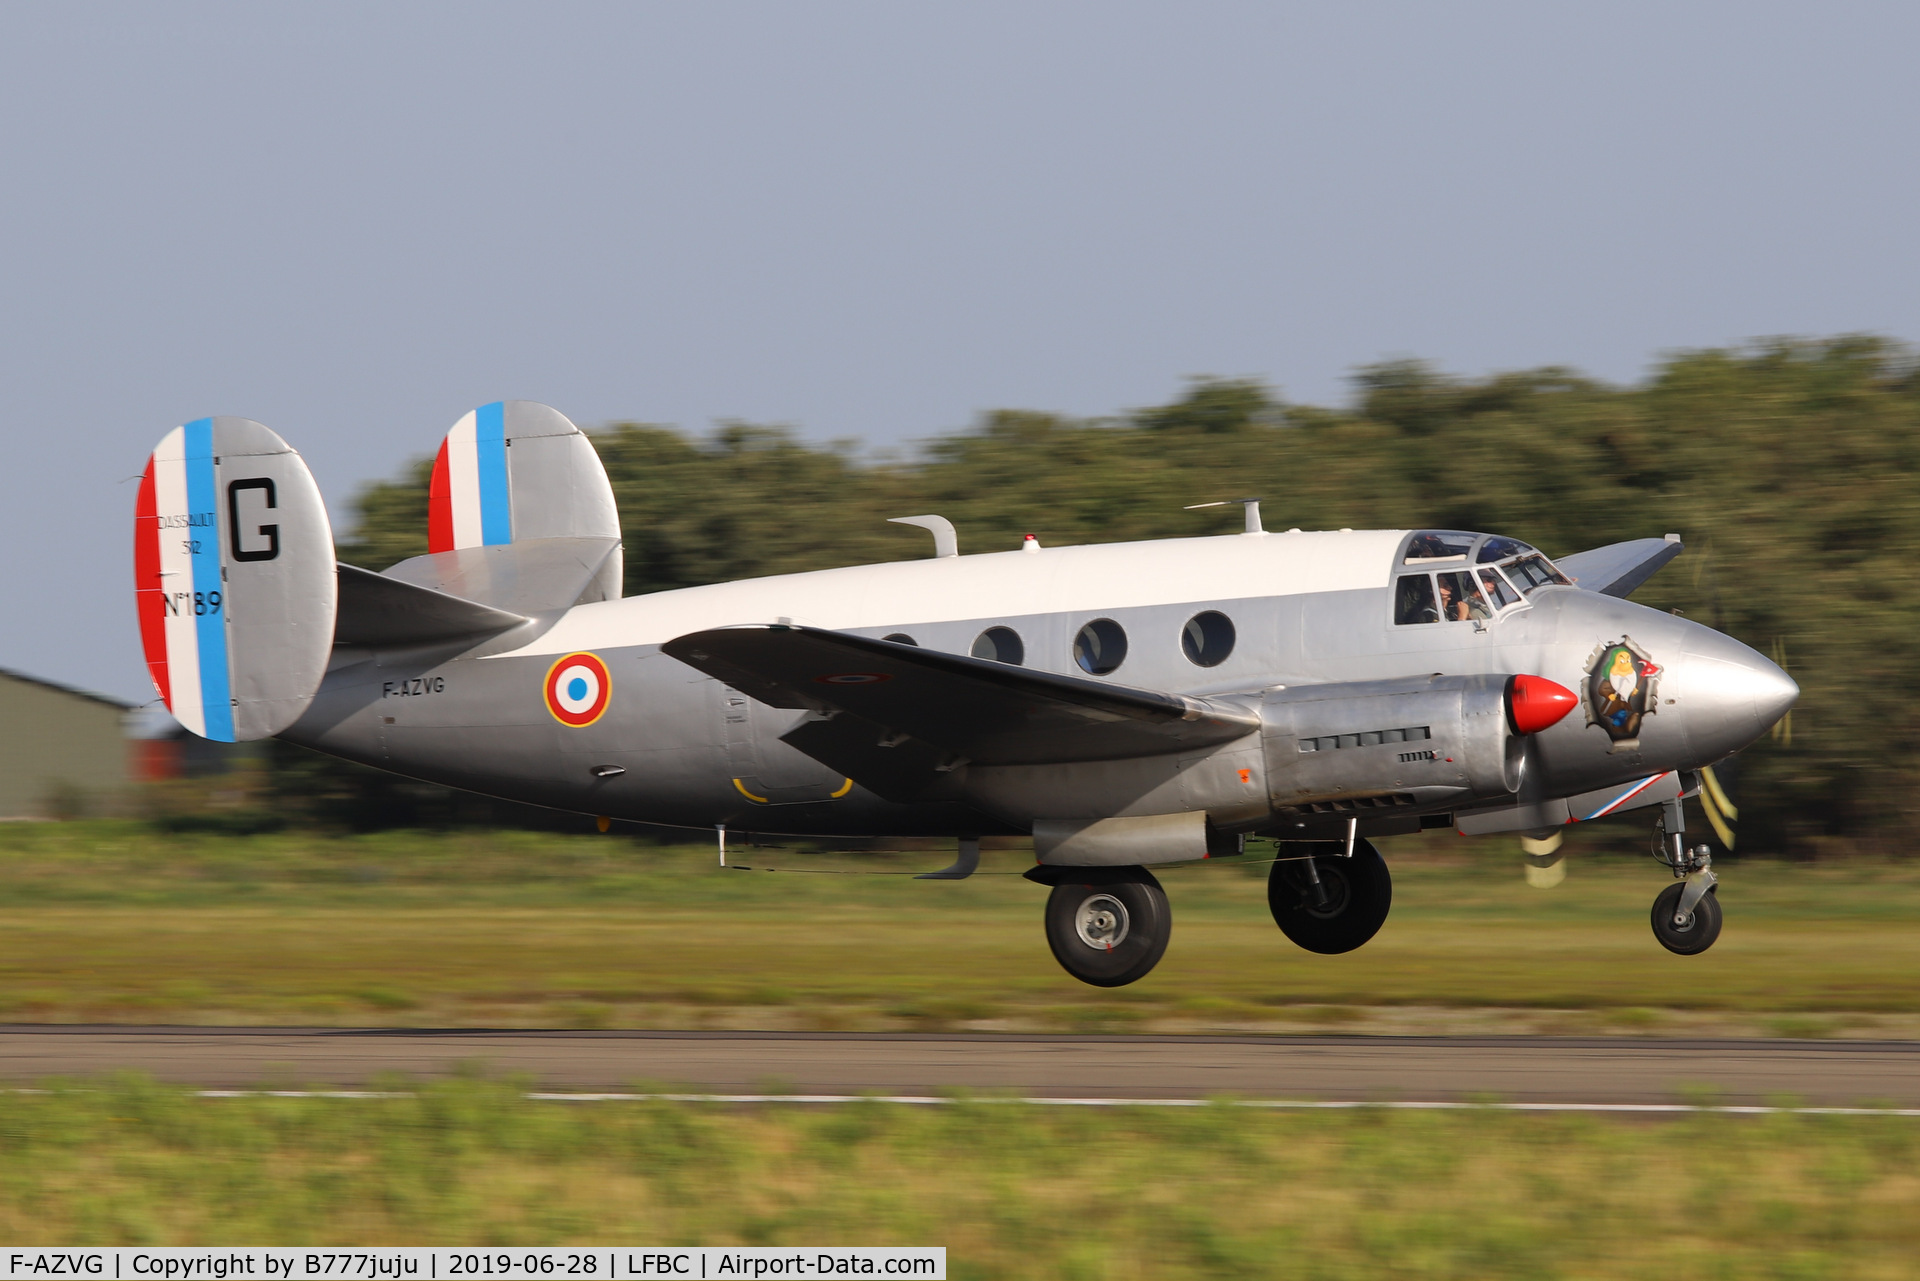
(355,222)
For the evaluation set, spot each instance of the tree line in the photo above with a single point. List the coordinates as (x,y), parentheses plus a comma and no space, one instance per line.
(1787,466)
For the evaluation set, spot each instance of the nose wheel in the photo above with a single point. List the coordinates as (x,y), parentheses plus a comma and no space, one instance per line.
(1686,915)
(1690,932)
(1110,933)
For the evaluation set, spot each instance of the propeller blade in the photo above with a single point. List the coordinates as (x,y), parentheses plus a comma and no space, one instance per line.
(1545,865)
(1722,814)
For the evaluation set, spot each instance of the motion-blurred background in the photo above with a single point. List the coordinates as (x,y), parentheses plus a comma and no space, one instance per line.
(1786,466)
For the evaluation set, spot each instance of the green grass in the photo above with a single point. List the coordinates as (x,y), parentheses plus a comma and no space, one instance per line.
(113,922)
(1012,1190)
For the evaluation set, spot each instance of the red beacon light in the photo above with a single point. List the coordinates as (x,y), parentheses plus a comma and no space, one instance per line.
(1534,703)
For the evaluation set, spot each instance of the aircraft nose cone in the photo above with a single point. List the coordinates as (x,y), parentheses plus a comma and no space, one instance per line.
(1729,695)
(1775,693)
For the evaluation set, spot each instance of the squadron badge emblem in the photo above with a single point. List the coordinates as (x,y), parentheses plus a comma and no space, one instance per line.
(1621,681)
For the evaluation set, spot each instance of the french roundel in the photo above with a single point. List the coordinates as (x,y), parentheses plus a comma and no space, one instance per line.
(578,689)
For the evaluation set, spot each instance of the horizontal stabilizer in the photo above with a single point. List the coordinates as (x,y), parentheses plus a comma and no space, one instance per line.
(1618,568)
(377,610)
(970,709)
(520,578)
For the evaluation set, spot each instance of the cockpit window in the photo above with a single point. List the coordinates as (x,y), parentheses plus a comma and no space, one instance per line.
(1533,572)
(1413,600)
(1509,572)
(1498,548)
(1460,600)
(1497,589)
(1439,544)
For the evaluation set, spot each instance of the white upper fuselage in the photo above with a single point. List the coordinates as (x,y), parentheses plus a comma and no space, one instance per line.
(1084,580)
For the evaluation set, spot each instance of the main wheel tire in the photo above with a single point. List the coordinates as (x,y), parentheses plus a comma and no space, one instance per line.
(1109,934)
(1359,893)
(1700,929)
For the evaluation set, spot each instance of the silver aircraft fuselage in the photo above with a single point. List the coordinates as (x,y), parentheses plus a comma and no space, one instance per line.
(1308,610)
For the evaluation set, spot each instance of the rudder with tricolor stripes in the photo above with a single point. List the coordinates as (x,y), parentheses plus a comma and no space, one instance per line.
(234,578)
(520,514)
(514,471)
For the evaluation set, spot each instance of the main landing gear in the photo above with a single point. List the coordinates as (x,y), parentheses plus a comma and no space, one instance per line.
(1686,915)
(1327,900)
(1107,926)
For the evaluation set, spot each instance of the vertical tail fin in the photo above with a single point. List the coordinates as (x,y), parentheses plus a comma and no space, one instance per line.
(233,578)
(513,471)
(519,513)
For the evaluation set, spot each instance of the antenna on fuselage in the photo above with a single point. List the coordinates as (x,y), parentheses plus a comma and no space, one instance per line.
(945,541)
(1251,504)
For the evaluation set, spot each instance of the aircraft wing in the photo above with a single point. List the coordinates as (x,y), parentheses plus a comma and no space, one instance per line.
(1618,568)
(962,708)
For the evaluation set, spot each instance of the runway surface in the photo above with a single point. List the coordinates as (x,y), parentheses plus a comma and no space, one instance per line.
(1518,1069)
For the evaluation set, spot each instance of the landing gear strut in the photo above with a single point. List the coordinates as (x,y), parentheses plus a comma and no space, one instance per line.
(1107,926)
(1686,915)
(1326,900)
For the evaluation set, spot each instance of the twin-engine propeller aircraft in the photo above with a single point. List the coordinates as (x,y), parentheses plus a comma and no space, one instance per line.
(1124,705)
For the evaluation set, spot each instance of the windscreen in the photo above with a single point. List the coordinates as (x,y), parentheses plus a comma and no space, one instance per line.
(1508,572)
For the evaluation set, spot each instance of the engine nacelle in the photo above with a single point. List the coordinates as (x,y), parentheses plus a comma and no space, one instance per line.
(1373,748)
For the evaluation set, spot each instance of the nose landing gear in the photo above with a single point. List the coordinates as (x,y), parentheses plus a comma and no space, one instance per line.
(1686,930)
(1686,915)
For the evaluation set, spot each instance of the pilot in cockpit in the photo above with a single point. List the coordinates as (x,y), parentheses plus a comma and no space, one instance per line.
(1460,602)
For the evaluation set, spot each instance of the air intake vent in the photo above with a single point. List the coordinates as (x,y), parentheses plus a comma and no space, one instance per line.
(1370,738)
(1355,804)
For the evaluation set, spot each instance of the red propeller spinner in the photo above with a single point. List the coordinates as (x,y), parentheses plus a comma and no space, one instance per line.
(1534,703)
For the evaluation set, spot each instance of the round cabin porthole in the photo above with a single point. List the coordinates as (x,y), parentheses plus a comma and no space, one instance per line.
(1207,639)
(1001,645)
(901,638)
(1100,647)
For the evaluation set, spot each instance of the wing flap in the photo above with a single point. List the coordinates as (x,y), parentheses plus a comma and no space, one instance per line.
(970,709)
(1618,568)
